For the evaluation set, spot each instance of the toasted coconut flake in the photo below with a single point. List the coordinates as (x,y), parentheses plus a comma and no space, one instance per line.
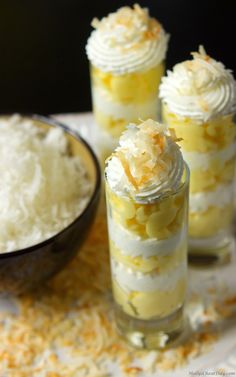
(95,23)
(147,157)
(230,300)
(130,19)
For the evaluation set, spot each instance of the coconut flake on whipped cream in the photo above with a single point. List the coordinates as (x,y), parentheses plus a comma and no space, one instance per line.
(147,163)
(201,88)
(126,41)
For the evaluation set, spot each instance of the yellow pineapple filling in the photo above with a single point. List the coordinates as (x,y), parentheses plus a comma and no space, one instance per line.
(209,136)
(113,126)
(217,174)
(131,88)
(158,220)
(210,222)
(147,305)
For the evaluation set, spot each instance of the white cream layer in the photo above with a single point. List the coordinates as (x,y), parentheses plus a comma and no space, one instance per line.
(198,160)
(134,246)
(220,197)
(212,242)
(130,112)
(130,280)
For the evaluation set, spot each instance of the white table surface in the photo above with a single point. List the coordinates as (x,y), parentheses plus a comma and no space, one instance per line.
(222,279)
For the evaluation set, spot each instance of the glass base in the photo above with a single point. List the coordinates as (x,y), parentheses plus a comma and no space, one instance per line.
(151,334)
(210,251)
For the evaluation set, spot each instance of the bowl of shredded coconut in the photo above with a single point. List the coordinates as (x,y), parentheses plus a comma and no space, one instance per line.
(49,192)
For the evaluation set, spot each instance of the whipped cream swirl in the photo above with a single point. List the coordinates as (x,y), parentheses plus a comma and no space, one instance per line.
(147,164)
(201,88)
(127,41)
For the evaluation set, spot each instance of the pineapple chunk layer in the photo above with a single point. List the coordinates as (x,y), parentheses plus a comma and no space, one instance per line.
(208,223)
(113,126)
(208,180)
(210,136)
(129,88)
(159,220)
(147,305)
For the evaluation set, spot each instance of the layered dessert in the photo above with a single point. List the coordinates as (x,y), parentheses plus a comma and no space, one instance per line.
(147,192)
(199,102)
(126,51)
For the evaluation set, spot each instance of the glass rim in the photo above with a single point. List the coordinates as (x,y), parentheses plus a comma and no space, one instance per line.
(114,73)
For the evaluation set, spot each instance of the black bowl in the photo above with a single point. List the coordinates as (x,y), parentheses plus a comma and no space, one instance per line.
(24,269)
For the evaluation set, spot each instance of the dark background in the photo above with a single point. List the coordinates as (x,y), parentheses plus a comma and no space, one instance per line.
(43,66)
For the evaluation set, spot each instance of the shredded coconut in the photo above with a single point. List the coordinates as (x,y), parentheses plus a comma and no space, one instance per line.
(128,26)
(146,162)
(43,189)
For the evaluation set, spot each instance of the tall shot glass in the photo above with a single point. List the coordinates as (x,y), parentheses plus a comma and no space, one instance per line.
(199,103)
(148,253)
(126,52)
(209,148)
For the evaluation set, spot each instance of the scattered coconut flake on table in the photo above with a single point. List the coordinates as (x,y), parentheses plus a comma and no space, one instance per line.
(43,189)
(67,327)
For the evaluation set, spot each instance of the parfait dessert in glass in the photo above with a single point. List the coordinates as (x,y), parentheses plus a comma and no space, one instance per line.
(126,51)
(147,210)
(199,102)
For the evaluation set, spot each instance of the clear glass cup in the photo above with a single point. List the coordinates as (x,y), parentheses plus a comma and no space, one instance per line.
(122,99)
(209,149)
(148,253)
